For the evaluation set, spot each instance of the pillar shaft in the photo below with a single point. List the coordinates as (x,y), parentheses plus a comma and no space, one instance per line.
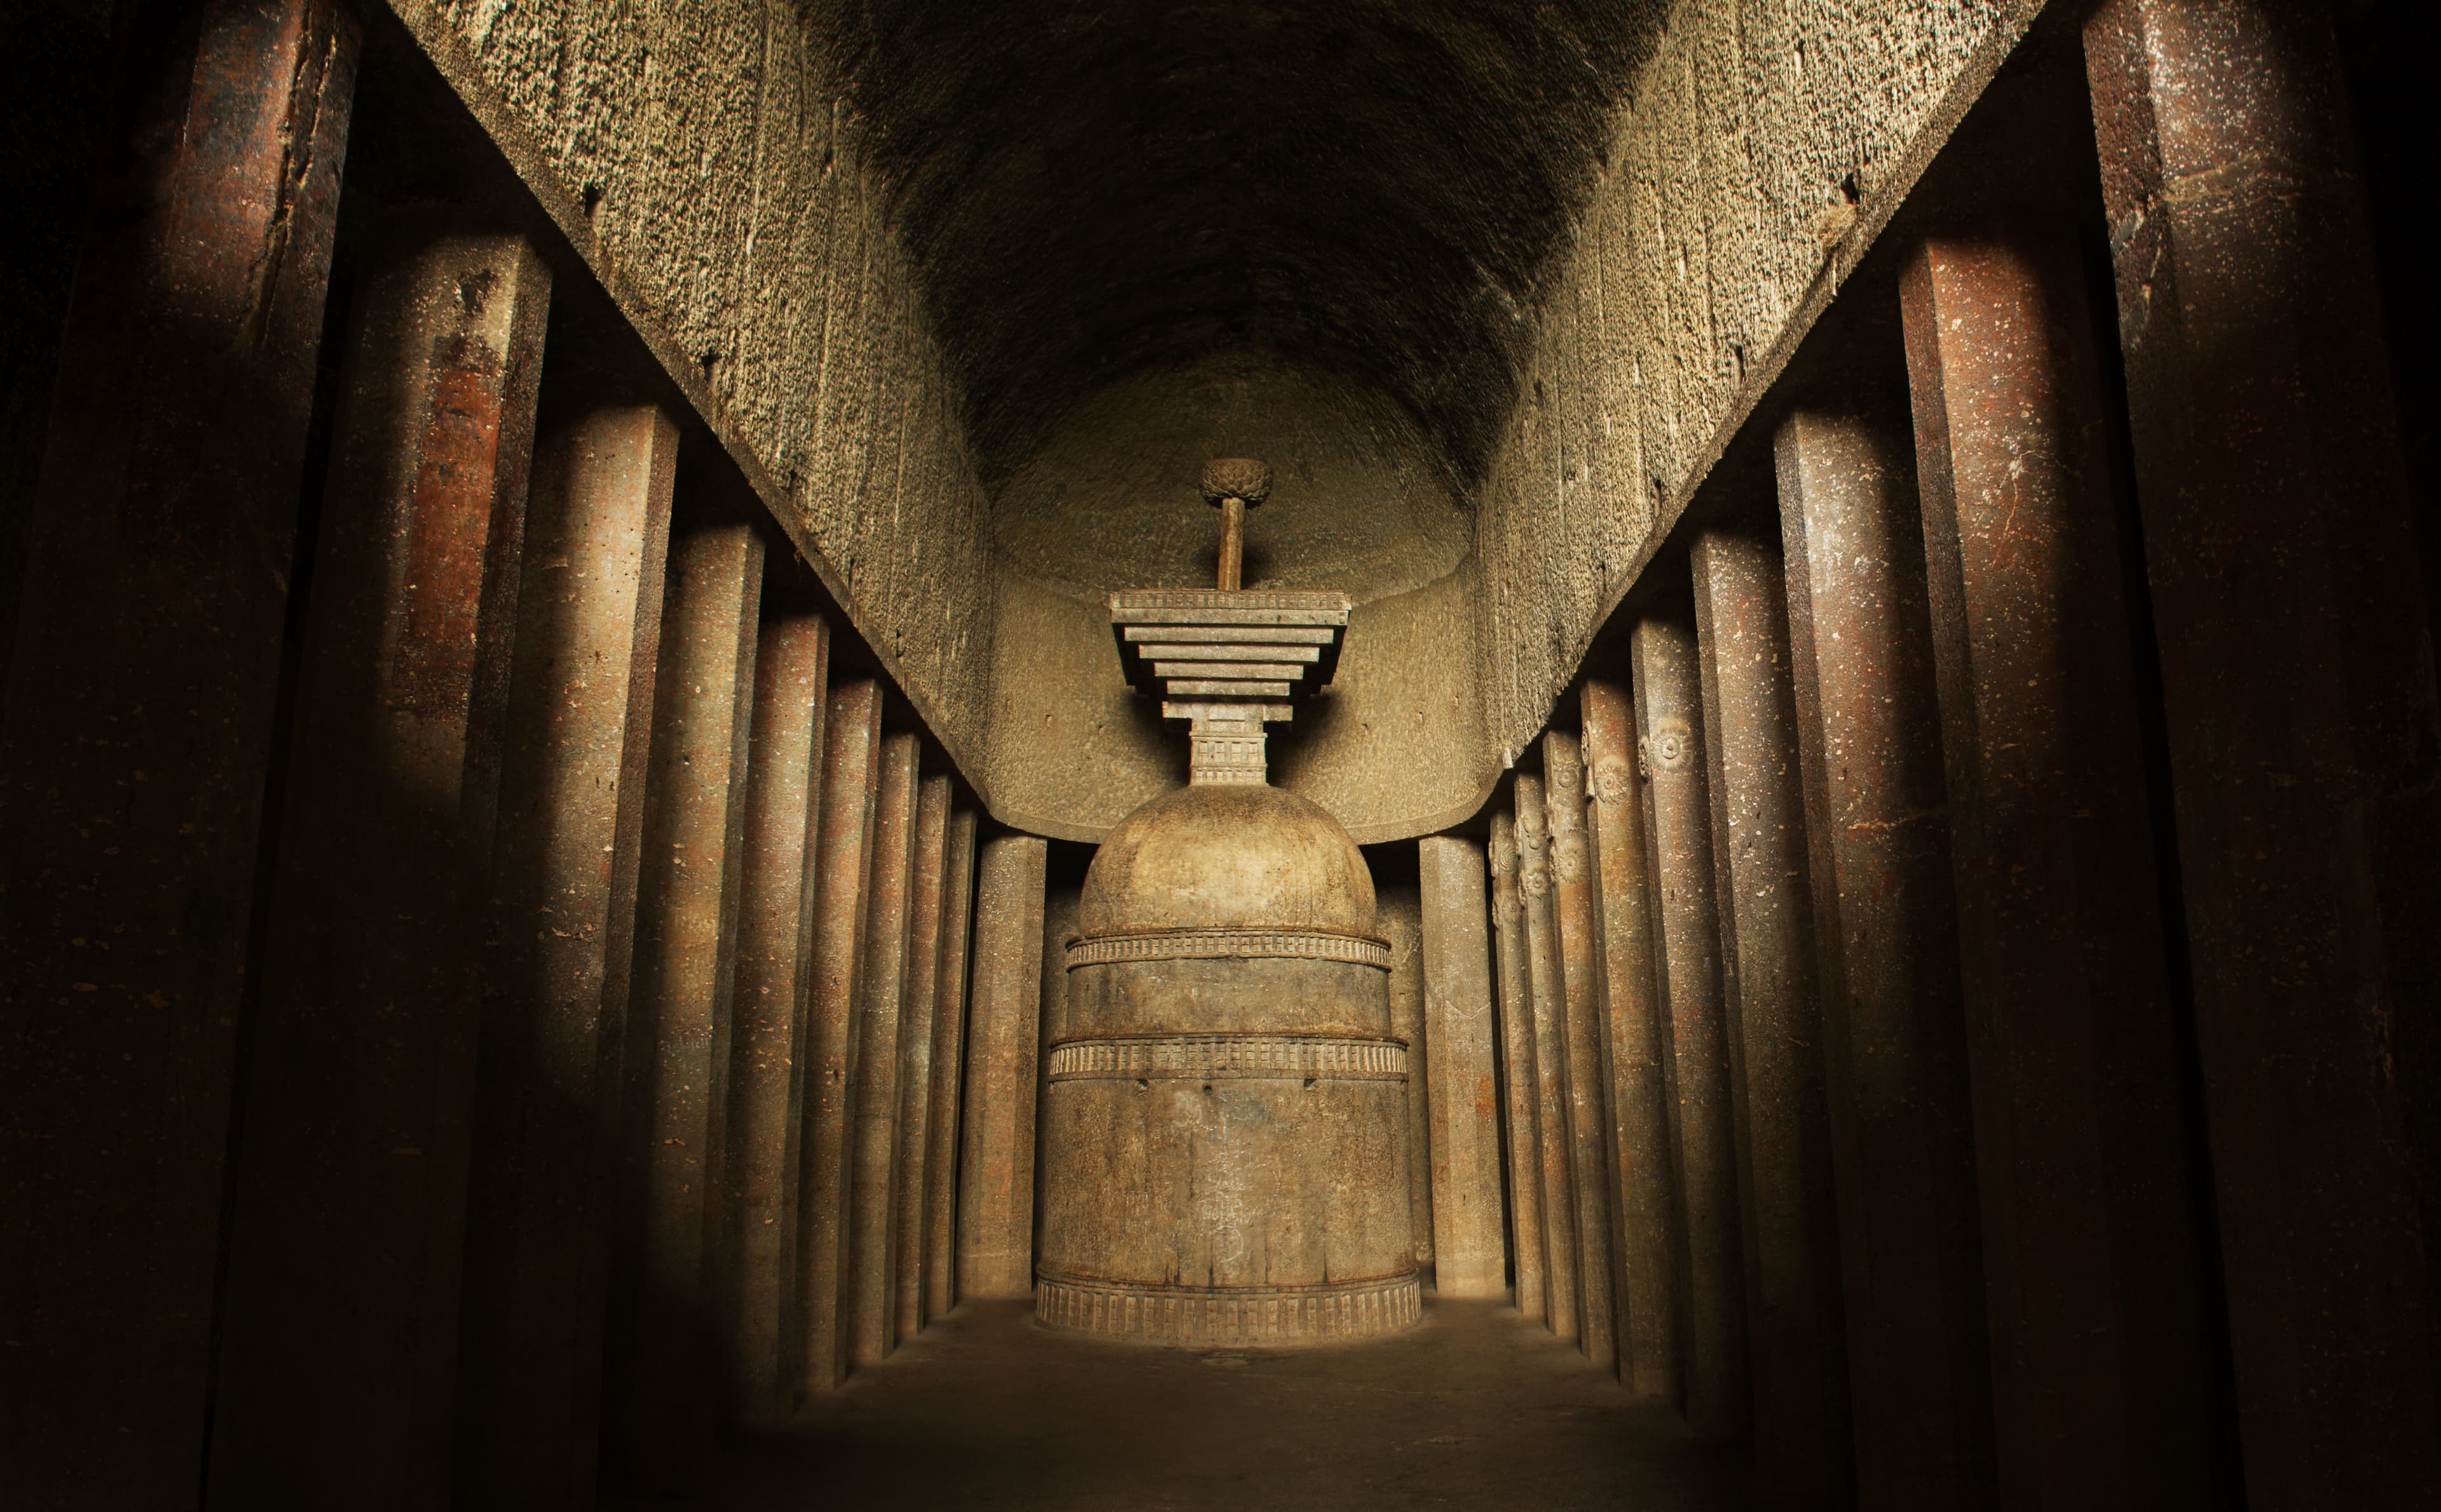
(663,1394)
(842,886)
(138,726)
(1669,745)
(2088,1235)
(2297,679)
(1004,1046)
(560,944)
(881,1010)
(1547,991)
(1468,1259)
(341,1310)
(1575,910)
(1646,1218)
(1894,1054)
(755,1260)
(1795,1306)
(1398,917)
(1517,1014)
(948,1068)
(916,1044)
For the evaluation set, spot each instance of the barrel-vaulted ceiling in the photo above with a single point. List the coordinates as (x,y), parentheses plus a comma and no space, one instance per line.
(1370,188)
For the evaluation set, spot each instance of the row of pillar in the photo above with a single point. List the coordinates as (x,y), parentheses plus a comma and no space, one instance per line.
(1855,1092)
(527,1030)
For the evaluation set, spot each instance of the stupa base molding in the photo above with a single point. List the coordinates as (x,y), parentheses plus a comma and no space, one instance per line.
(1254,1317)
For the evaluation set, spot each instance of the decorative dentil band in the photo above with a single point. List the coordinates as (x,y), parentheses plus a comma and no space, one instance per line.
(1240,1057)
(1230,944)
(1229,1315)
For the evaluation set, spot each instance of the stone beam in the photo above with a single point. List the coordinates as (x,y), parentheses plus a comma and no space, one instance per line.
(882,1007)
(340,1317)
(1524,1148)
(1576,912)
(1796,1310)
(1645,1214)
(561,938)
(948,1068)
(662,1400)
(844,872)
(1894,1052)
(1004,1046)
(916,1047)
(756,1265)
(1704,1078)
(2089,1243)
(2297,678)
(1469,1257)
(1552,1125)
(139,728)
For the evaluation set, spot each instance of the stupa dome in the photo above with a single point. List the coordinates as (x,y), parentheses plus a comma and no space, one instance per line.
(1227,857)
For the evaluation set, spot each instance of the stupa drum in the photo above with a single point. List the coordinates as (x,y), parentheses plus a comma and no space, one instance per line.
(1224,1131)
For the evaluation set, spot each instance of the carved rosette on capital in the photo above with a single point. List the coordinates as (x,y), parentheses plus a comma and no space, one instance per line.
(1224,1126)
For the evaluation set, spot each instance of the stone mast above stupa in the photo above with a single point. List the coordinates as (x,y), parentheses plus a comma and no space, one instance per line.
(1227,660)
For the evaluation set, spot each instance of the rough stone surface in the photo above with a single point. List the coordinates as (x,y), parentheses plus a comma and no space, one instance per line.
(1521,1138)
(948,1068)
(2297,675)
(756,1267)
(917,1045)
(559,945)
(881,1055)
(138,726)
(1003,1044)
(1398,917)
(1225,1120)
(1795,1308)
(843,871)
(790,206)
(1703,1074)
(1553,1125)
(1758,151)
(1893,1032)
(1576,912)
(340,1308)
(662,1392)
(1470,1257)
(1645,1211)
(2089,1243)
(707,164)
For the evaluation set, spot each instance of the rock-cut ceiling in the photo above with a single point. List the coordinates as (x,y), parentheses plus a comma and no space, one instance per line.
(1365,191)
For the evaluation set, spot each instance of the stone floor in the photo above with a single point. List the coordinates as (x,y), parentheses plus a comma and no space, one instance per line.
(1474,1408)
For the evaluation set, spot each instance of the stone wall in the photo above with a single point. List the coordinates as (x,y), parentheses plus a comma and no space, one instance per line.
(700,158)
(703,161)
(1757,153)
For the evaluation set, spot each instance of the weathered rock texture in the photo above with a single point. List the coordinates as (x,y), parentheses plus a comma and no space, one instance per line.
(559,945)
(1516,1003)
(1796,1310)
(341,1299)
(2089,1247)
(1226,1132)
(842,881)
(705,163)
(139,719)
(2297,674)
(1463,1116)
(1645,1210)
(752,1319)
(660,1394)
(1582,311)
(1004,1046)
